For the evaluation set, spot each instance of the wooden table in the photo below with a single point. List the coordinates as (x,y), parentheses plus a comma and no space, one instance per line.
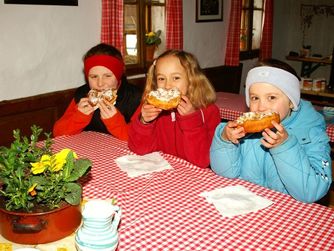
(232,105)
(164,210)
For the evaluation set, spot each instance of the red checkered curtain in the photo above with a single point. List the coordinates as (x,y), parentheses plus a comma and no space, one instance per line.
(233,37)
(267,31)
(112,23)
(174,27)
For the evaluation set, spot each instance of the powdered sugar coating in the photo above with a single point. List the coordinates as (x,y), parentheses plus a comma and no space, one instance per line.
(253,116)
(96,96)
(164,94)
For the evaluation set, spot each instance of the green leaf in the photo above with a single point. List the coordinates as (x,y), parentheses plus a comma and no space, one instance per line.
(40,180)
(74,192)
(68,168)
(80,168)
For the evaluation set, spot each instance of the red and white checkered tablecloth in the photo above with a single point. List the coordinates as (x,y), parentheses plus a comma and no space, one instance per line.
(164,211)
(231,106)
(330,132)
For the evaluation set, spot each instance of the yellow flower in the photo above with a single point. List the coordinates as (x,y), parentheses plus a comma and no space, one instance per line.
(39,167)
(59,159)
(153,38)
(32,190)
(151,34)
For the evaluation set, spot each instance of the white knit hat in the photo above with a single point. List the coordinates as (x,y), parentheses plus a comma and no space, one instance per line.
(283,80)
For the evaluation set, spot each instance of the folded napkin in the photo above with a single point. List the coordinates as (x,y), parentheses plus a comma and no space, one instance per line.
(135,165)
(235,200)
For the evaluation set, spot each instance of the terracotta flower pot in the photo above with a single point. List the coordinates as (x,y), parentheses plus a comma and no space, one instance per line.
(150,49)
(38,228)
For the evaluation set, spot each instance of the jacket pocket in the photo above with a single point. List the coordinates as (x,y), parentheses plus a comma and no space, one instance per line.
(303,137)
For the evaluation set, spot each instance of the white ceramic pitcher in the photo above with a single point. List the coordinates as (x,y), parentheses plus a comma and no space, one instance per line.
(99,228)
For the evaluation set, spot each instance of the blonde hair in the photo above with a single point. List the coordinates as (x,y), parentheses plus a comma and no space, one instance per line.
(200,90)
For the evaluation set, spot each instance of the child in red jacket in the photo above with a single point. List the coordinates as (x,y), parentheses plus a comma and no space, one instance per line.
(186,131)
(104,69)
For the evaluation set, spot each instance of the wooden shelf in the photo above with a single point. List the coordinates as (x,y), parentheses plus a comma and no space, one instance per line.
(310,64)
(329,94)
(324,98)
(310,59)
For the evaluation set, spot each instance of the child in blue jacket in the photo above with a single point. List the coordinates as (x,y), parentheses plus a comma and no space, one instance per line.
(294,157)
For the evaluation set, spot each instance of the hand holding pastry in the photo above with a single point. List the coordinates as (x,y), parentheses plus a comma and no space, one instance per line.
(271,138)
(149,113)
(107,110)
(232,132)
(85,107)
(185,107)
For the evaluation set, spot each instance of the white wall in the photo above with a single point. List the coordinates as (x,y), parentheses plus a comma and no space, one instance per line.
(205,40)
(208,40)
(41,46)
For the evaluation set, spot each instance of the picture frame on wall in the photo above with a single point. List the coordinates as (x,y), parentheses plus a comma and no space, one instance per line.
(44,2)
(209,10)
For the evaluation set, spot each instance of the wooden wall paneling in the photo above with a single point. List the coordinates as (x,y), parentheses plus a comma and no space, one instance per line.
(42,110)
(43,118)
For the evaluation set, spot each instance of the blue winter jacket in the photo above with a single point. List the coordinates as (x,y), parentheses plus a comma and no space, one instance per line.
(300,166)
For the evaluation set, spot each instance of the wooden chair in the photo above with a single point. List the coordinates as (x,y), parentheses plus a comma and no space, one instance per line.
(225,78)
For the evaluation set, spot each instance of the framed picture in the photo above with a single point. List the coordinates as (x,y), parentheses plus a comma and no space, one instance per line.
(209,10)
(45,2)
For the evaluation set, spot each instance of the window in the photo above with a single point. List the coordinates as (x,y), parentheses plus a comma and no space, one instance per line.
(251,28)
(141,17)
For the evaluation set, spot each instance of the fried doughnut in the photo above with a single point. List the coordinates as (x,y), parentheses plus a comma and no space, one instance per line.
(108,96)
(257,121)
(164,99)
(93,97)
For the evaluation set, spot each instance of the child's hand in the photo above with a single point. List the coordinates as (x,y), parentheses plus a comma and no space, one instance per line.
(149,113)
(232,133)
(85,107)
(107,110)
(272,139)
(185,107)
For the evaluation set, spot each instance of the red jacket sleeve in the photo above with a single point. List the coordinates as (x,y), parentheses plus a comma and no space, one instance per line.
(142,138)
(197,133)
(72,122)
(117,126)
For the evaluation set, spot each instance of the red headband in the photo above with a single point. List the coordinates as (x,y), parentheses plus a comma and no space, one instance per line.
(112,63)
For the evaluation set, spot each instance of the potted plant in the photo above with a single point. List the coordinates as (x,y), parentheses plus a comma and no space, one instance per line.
(152,41)
(39,190)
(243,39)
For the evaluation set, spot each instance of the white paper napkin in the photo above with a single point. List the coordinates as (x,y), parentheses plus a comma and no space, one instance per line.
(235,200)
(136,165)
